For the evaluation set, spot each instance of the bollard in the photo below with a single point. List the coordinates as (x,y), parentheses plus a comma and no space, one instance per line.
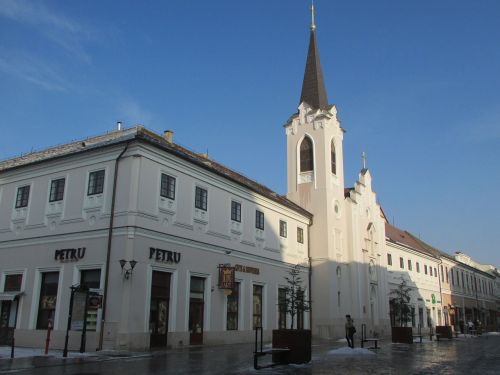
(12,346)
(47,340)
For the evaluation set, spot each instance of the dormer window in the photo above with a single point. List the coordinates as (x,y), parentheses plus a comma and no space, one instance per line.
(306,155)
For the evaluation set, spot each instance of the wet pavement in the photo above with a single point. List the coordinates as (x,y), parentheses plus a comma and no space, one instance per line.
(471,355)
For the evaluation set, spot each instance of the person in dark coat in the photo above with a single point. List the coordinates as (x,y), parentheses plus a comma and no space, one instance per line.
(350,330)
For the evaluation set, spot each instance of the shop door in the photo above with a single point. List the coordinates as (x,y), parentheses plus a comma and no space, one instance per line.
(196,307)
(5,330)
(159,309)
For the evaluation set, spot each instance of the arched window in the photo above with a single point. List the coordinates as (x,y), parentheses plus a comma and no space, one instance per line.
(306,155)
(334,158)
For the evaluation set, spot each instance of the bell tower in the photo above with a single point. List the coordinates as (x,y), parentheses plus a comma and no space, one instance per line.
(315,173)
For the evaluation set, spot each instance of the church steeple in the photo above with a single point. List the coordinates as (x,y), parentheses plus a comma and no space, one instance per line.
(313,86)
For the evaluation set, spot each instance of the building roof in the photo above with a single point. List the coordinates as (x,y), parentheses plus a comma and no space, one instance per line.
(402,237)
(313,85)
(140,133)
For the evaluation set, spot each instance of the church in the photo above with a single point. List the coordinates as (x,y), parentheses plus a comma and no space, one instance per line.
(147,227)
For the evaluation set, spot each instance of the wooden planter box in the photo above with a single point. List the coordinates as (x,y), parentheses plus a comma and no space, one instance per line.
(298,341)
(402,335)
(445,332)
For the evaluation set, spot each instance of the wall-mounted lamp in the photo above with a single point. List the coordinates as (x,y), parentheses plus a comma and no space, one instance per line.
(127,271)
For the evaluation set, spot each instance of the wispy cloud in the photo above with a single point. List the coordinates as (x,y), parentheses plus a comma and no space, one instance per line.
(60,29)
(133,113)
(32,69)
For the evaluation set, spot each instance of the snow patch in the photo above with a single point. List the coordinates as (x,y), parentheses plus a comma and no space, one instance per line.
(491,334)
(350,351)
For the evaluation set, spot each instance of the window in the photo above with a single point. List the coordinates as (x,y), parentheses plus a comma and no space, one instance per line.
(334,158)
(48,299)
(283,228)
(13,283)
(236,211)
(306,155)
(257,306)
(435,272)
(425,269)
(167,188)
(401,263)
(23,194)
(201,198)
(300,235)
(418,267)
(442,274)
(447,278)
(389,259)
(458,279)
(430,271)
(409,264)
(281,308)
(96,182)
(232,308)
(57,190)
(92,280)
(259,220)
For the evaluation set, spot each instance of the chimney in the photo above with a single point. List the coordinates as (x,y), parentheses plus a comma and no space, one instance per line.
(118,125)
(168,135)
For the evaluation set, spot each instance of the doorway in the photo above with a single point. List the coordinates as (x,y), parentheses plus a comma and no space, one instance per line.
(196,310)
(159,309)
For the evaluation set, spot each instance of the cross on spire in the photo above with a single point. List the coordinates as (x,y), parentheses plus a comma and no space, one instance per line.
(313,26)
(363,156)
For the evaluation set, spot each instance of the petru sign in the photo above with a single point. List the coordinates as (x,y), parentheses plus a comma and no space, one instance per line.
(69,255)
(165,256)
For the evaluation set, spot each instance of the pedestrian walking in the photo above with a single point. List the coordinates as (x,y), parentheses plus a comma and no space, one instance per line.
(350,330)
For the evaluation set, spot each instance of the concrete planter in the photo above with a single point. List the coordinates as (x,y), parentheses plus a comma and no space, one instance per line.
(298,341)
(402,335)
(445,332)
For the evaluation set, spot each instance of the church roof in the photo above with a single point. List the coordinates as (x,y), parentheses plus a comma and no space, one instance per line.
(313,85)
(140,133)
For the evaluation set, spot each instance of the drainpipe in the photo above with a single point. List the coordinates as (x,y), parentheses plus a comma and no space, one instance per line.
(310,274)
(440,275)
(108,253)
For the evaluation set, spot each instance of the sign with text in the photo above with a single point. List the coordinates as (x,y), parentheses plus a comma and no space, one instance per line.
(246,269)
(69,255)
(165,256)
(226,277)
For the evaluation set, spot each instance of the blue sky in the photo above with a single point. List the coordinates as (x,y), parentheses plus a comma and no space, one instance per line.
(416,84)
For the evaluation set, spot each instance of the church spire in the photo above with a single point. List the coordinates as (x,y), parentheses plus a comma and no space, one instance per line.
(313,86)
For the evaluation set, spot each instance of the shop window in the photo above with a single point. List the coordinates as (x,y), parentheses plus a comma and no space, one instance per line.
(96,182)
(233,308)
(91,279)
(167,188)
(13,283)
(8,309)
(257,305)
(48,299)
(22,198)
(159,308)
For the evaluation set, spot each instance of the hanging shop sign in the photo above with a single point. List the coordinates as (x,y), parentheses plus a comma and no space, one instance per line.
(246,269)
(165,256)
(226,276)
(433,297)
(69,255)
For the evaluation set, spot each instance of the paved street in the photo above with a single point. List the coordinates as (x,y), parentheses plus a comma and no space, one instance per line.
(476,355)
